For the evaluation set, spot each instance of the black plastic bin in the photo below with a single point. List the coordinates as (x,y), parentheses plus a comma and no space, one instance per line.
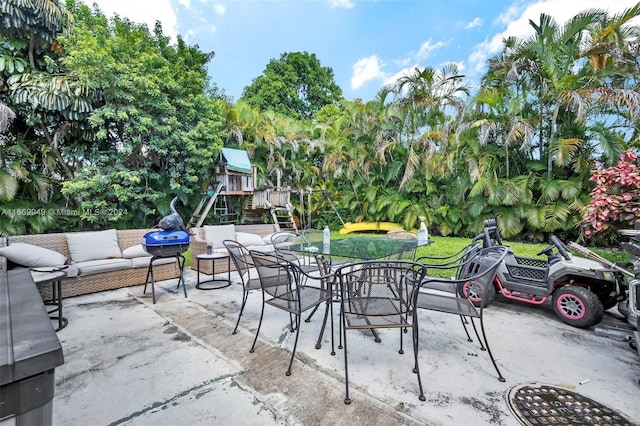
(29,352)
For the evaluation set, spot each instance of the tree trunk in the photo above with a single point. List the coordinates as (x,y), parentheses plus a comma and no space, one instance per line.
(56,152)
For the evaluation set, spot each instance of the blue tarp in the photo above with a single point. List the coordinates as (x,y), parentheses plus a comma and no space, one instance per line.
(237,160)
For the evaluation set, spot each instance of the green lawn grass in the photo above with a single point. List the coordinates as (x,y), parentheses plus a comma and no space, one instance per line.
(445,246)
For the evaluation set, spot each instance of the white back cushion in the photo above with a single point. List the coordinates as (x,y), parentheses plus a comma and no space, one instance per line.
(32,256)
(84,246)
(247,239)
(216,234)
(135,251)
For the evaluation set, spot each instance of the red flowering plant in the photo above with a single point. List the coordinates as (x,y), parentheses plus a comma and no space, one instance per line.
(615,201)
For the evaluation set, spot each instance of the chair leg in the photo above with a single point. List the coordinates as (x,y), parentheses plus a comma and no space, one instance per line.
(293,327)
(295,344)
(245,296)
(464,325)
(481,341)
(311,314)
(340,326)
(255,339)
(416,369)
(493,361)
(347,400)
(333,349)
(322,327)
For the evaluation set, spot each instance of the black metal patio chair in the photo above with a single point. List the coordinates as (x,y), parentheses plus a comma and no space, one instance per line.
(242,261)
(378,294)
(285,285)
(464,295)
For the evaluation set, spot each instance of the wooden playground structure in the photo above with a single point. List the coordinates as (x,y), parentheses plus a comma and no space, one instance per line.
(233,196)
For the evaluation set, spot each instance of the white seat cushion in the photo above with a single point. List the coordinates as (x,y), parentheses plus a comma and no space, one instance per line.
(143,262)
(91,267)
(70,270)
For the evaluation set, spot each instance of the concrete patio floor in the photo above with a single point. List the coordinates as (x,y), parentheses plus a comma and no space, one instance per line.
(129,361)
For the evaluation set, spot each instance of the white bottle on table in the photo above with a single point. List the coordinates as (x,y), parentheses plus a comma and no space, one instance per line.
(326,239)
(423,234)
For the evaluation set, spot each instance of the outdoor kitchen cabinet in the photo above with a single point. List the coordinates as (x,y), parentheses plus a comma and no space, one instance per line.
(29,352)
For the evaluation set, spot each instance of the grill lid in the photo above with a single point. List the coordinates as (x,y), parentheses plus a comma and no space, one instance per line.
(165,238)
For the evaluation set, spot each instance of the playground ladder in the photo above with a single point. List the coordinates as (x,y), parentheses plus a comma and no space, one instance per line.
(221,209)
(283,217)
(207,201)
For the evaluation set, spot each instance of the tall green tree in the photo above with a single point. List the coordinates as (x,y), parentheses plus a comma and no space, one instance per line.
(296,85)
(156,131)
(47,107)
(573,84)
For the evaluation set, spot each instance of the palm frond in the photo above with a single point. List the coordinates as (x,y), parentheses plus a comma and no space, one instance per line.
(565,149)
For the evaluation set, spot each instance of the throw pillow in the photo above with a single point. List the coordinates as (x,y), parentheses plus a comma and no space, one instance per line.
(216,234)
(267,238)
(84,246)
(247,239)
(135,251)
(32,256)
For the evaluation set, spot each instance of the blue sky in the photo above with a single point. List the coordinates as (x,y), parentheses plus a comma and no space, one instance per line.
(367,43)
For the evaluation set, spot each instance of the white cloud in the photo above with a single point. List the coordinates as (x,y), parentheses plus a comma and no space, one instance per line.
(516,19)
(341,4)
(460,64)
(402,73)
(477,22)
(141,11)
(426,48)
(366,69)
(402,61)
(189,34)
(185,3)
(220,9)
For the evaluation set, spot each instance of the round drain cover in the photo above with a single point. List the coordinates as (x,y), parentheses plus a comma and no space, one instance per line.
(538,404)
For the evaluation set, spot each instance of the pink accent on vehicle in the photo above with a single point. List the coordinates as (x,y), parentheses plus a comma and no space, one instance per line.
(531,298)
(571,307)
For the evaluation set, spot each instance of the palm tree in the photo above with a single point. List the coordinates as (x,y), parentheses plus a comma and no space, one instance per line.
(426,102)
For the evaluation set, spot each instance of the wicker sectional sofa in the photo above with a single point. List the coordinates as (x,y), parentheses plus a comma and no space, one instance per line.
(242,233)
(126,271)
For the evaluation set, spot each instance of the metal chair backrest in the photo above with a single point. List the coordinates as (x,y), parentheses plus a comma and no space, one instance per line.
(281,242)
(239,255)
(477,268)
(401,234)
(378,293)
(277,274)
(453,265)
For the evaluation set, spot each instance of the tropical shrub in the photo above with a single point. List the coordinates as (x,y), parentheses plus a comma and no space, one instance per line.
(615,201)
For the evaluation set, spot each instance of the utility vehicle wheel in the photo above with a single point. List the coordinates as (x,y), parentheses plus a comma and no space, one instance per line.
(577,306)
(473,290)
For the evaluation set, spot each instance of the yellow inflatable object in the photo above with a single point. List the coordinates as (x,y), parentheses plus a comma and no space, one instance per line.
(369,226)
